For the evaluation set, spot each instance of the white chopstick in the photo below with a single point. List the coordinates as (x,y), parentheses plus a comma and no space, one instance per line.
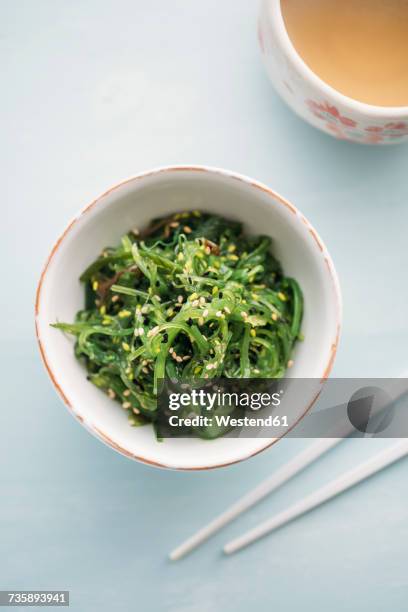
(281,476)
(346,481)
(285,473)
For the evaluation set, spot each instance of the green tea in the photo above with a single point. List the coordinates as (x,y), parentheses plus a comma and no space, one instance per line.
(359,47)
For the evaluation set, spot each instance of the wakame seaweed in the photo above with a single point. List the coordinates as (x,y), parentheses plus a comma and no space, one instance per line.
(189,297)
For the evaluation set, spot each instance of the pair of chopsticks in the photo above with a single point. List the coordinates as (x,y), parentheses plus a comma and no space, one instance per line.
(300,462)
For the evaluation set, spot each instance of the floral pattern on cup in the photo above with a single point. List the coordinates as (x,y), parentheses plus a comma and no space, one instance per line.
(391,130)
(329,113)
(348,129)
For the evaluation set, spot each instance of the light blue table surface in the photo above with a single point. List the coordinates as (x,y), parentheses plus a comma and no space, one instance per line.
(94,91)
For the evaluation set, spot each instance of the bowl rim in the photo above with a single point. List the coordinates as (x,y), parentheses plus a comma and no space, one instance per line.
(277,198)
(275,16)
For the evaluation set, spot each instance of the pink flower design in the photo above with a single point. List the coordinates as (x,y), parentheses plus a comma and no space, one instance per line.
(373,138)
(348,129)
(337,131)
(261,39)
(389,130)
(374,129)
(329,113)
(397,126)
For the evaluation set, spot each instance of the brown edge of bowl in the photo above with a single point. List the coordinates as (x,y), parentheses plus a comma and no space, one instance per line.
(277,198)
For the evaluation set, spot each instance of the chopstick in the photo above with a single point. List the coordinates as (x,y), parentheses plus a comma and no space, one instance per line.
(288,471)
(322,495)
(280,477)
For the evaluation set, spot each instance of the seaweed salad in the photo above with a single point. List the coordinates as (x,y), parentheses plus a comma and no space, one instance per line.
(191,296)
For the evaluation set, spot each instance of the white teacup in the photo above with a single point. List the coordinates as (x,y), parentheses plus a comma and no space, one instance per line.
(316,101)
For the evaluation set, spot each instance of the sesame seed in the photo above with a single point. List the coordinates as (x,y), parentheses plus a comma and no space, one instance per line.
(145,309)
(111,393)
(153,331)
(274,316)
(141,331)
(145,370)
(207,250)
(115,298)
(158,298)
(125,346)
(290,363)
(218,313)
(187,229)
(126,393)
(186,357)
(135,231)
(174,224)
(202,301)
(205,313)
(171,350)
(179,359)
(180,299)
(126,405)
(136,410)
(244,314)
(227,310)
(124,313)
(195,304)
(201,321)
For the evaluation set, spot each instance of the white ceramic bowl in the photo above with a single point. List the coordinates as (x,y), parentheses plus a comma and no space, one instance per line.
(135,202)
(316,101)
